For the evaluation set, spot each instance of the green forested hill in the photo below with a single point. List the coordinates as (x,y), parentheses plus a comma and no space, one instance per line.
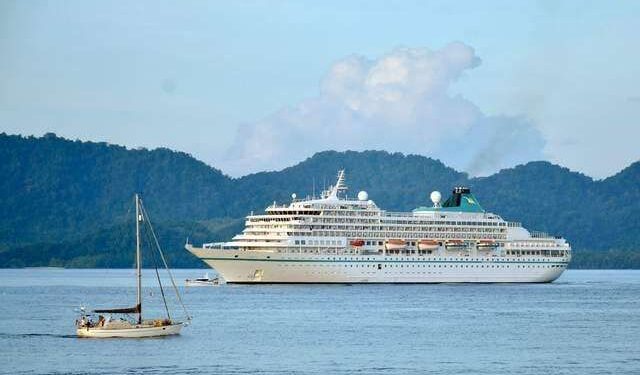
(67,202)
(52,189)
(394,181)
(593,215)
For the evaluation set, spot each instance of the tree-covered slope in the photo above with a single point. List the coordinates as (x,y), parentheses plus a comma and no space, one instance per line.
(69,200)
(617,211)
(592,215)
(393,180)
(52,189)
(542,196)
(115,246)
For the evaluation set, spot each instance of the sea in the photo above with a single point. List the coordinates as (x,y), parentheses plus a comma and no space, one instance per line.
(586,322)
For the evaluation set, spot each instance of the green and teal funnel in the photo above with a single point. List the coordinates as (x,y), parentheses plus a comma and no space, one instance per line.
(461,200)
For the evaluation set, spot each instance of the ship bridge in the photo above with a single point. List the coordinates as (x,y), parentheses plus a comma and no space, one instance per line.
(332,198)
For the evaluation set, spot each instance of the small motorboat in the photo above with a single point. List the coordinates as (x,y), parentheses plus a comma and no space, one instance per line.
(130,323)
(202,281)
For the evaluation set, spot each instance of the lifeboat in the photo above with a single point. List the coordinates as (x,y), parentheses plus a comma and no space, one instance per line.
(454,244)
(357,243)
(395,244)
(428,244)
(486,244)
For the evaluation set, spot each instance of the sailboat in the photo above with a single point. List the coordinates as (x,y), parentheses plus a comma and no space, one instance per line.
(128,325)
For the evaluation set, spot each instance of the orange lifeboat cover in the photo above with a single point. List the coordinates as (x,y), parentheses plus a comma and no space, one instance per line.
(357,243)
(428,242)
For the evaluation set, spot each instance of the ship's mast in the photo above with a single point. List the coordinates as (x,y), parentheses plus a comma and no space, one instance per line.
(138,261)
(339,186)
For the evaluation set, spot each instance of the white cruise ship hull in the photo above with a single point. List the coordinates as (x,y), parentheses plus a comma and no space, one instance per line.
(261,267)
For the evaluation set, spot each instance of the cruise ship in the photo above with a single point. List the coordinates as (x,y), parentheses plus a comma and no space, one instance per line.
(337,239)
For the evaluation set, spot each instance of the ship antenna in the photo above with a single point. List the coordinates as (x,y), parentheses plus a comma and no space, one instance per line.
(339,186)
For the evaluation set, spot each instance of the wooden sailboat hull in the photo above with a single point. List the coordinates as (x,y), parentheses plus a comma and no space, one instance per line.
(133,332)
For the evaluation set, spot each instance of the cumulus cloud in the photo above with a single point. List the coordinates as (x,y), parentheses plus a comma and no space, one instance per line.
(398,102)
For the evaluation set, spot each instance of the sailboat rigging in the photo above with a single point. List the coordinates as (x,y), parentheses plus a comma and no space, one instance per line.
(86,327)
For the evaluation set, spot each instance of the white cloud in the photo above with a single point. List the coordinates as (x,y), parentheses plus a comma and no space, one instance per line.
(398,102)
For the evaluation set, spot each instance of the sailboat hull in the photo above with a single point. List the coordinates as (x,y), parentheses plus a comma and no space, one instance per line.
(133,332)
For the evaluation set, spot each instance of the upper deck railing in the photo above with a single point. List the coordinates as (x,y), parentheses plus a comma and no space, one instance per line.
(536,234)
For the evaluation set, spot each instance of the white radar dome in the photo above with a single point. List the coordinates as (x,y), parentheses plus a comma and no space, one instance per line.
(293,196)
(436,197)
(363,196)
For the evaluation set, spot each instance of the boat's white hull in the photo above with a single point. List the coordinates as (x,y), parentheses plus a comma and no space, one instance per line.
(200,283)
(140,332)
(249,267)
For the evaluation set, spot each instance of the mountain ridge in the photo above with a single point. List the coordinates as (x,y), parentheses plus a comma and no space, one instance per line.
(54,190)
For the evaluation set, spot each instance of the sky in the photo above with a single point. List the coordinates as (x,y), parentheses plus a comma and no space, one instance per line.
(247,86)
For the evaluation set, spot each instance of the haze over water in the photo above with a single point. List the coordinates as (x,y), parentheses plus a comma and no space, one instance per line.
(586,322)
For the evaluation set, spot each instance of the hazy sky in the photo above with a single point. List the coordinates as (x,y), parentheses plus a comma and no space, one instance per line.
(254,85)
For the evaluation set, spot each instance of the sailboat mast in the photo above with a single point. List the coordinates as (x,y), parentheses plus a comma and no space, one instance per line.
(138,261)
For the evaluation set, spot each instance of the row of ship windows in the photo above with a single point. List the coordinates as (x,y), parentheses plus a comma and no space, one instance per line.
(288,228)
(406,222)
(534,244)
(533,252)
(339,243)
(261,229)
(416,221)
(393,234)
(377,226)
(373,243)
(544,252)
(381,266)
(318,242)
(460,260)
(413,236)
(438,259)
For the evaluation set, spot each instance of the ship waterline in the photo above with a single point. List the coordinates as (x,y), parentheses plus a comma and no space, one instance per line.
(337,240)
(373,269)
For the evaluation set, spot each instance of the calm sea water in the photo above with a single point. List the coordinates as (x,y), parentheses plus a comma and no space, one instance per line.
(587,322)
